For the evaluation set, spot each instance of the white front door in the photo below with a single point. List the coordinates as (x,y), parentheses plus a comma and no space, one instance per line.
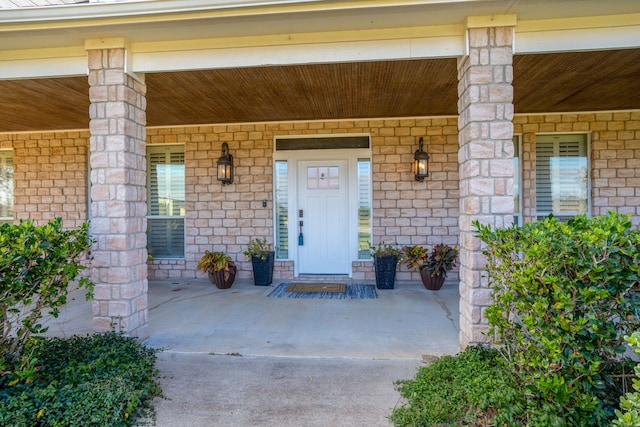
(323,209)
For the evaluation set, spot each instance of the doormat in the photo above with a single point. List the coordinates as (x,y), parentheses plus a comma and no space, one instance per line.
(350,292)
(316,287)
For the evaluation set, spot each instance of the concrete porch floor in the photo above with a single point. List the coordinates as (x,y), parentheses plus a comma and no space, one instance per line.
(194,316)
(304,362)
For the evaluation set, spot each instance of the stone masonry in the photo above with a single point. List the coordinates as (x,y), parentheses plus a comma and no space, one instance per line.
(50,175)
(50,168)
(118,194)
(486,163)
(405,212)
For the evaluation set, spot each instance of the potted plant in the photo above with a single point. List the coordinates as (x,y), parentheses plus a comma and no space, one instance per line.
(262,258)
(433,266)
(385,259)
(219,267)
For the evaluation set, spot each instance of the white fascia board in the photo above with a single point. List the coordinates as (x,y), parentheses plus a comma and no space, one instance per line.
(144,9)
(39,63)
(406,43)
(509,20)
(577,34)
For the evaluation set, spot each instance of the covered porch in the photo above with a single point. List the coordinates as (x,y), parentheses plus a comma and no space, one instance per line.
(467,76)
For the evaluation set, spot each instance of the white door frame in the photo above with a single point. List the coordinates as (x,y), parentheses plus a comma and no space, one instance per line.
(293,157)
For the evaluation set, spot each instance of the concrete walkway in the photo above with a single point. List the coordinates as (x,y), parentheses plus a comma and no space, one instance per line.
(236,357)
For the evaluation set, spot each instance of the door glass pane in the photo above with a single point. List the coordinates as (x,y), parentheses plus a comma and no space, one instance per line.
(364,208)
(334,177)
(312,178)
(323,178)
(282,209)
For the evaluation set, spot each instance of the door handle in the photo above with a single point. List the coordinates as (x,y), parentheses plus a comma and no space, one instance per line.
(300,236)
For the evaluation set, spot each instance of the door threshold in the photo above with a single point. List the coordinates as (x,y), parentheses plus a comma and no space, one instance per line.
(322,278)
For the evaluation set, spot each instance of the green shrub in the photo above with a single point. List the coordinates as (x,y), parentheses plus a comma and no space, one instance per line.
(37,263)
(100,380)
(564,295)
(630,402)
(466,389)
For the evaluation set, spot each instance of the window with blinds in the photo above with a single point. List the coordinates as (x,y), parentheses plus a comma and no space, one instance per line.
(562,176)
(282,208)
(364,208)
(6,186)
(166,201)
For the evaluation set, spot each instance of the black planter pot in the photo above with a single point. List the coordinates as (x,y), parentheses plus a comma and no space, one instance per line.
(263,269)
(385,271)
(218,278)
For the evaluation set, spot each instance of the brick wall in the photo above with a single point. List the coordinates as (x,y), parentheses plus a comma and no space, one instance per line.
(227,217)
(50,175)
(405,211)
(49,184)
(615,157)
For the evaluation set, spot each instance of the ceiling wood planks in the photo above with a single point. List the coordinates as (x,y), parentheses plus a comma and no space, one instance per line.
(561,82)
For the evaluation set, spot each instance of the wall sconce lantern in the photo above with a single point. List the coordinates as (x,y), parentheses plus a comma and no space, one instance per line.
(225,165)
(421,162)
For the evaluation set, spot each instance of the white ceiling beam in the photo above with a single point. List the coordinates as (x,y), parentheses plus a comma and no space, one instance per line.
(578,34)
(406,43)
(297,54)
(34,63)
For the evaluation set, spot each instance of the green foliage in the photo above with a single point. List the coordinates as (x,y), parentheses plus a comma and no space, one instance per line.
(414,256)
(630,402)
(103,380)
(37,263)
(385,249)
(465,389)
(258,248)
(440,261)
(215,261)
(564,295)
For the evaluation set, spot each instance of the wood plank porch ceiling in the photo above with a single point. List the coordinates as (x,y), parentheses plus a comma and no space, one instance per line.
(576,81)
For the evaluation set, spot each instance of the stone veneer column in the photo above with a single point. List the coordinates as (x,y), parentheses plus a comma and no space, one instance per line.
(485,107)
(118,194)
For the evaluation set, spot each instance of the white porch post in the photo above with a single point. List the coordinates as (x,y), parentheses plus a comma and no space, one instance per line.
(118,193)
(485,107)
